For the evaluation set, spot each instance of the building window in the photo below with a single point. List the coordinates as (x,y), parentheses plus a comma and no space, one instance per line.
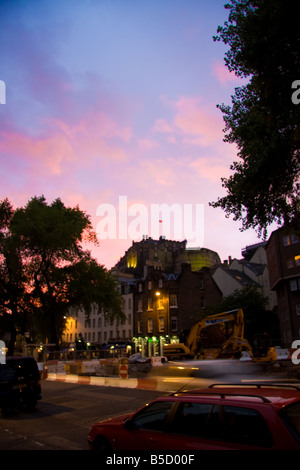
(150,303)
(139,327)
(174,323)
(160,283)
(297,260)
(150,325)
(140,287)
(140,305)
(290,239)
(289,263)
(149,285)
(293,285)
(298,309)
(161,324)
(173,300)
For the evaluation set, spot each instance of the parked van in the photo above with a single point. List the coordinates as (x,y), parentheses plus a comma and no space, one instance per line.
(20,383)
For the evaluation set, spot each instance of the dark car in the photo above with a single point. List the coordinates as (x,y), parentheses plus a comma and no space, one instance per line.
(221,417)
(20,383)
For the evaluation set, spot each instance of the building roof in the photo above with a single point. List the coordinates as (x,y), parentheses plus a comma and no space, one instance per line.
(240,277)
(257,268)
(249,250)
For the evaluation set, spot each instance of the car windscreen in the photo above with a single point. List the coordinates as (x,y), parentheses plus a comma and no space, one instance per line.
(6,373)
(291,416)
(23,367)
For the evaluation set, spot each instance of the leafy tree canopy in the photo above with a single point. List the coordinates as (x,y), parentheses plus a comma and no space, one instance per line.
(45,272)
(258,320)
(264,46)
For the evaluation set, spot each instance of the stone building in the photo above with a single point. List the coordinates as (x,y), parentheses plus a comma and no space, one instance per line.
(167,305)
(283,254)
(96,330)
(168,255)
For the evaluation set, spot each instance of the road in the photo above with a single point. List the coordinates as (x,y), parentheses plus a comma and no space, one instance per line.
(65,414)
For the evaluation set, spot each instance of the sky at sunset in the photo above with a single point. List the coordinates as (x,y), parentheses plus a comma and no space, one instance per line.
(115,100)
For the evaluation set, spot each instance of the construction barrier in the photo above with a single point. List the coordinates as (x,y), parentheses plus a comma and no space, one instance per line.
(170,384)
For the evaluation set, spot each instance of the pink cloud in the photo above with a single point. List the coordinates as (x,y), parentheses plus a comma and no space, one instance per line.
(222,73)
(62,144)
(210,168)
(50,150)
(147,144)
(194,122)
(161,125)
(197,120)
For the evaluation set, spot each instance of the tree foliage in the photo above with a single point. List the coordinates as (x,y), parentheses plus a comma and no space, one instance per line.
(264,46)
(13,294)
(45,272)
(258,320)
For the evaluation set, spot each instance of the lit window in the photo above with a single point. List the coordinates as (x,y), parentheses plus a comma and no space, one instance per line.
(297,260)
(173,300)
(150,303)
(150,325)
(161,324)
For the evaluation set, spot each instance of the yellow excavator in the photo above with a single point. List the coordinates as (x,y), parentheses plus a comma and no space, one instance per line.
(232,346)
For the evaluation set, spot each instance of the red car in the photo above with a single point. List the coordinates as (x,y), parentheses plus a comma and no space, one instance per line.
(221,417)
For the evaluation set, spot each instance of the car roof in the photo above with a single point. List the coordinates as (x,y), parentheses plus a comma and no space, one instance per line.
(267,393)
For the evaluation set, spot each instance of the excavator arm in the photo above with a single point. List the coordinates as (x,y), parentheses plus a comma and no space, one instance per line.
(236,316)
